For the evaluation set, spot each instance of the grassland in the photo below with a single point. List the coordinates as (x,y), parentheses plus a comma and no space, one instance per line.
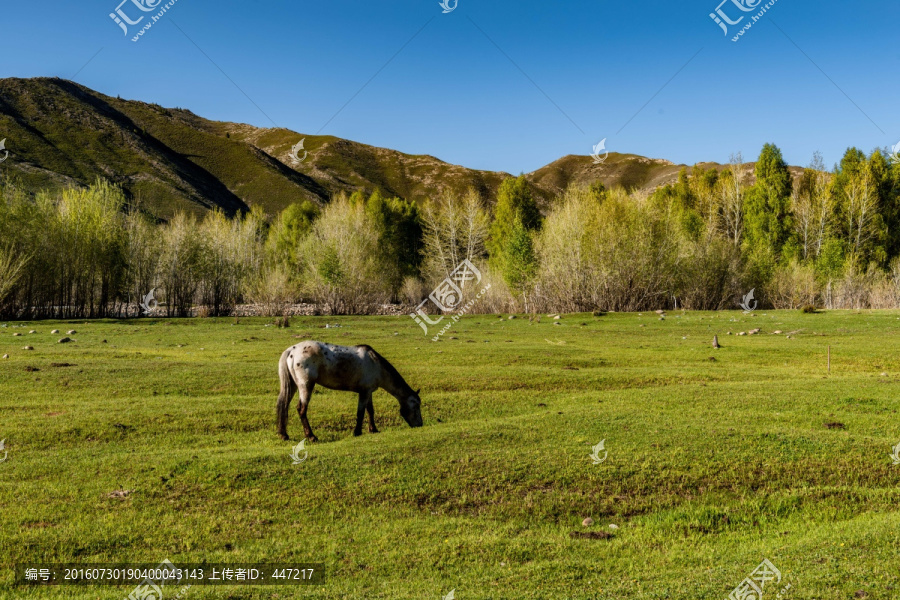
(716,459)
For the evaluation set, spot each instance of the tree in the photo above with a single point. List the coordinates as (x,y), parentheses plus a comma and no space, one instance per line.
(344,267)
(521,261)
(288,230)
(892,207)
(515,203)
(862,221)
(454,229)
(767,206)
(813,208)
(399,226)
(731,185)
(704,184)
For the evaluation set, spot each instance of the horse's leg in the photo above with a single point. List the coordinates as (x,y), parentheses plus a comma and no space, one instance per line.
(306,391)
(370,408)
(364,399)
(288,387)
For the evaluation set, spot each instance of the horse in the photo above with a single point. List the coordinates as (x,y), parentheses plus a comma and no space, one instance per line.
(357,369)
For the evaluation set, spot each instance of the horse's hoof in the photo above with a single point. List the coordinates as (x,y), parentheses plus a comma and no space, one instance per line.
(357,433)
(285,437)
(373,431)
(312,438)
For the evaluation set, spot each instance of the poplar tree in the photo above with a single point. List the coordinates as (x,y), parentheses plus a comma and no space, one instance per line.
(767,214)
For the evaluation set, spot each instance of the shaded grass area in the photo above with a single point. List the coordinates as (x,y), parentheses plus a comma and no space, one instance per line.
(713,465)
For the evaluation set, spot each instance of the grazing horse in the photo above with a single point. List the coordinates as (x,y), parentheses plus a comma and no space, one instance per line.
(347,368)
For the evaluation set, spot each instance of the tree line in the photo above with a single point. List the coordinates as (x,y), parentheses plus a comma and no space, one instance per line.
(828,238)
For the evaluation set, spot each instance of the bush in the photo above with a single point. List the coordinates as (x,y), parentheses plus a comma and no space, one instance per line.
(343,266)
(618,254)
(413,291)
(793,286)
(272,291)
(709,273)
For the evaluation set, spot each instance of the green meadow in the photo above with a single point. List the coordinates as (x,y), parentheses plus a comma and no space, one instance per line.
(154,439)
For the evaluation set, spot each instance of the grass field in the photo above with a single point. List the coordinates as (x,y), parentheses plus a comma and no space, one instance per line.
(717,459)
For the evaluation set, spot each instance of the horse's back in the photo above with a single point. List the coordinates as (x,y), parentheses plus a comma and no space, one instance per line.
(349,368)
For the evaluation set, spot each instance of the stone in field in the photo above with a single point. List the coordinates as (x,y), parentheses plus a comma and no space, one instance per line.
(588,522)
(120,494)
(65,340)
(71,332)
(55,331)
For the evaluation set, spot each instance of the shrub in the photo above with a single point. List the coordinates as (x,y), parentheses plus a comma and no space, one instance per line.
(343,266)
(793,286)
(272,291)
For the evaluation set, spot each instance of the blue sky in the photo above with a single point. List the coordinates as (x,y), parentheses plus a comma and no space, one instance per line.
(500,85)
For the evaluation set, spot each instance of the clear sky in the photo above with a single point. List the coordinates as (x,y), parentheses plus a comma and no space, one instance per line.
(500,85)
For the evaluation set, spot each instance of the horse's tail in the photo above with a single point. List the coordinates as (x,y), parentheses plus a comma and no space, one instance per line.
(288,388)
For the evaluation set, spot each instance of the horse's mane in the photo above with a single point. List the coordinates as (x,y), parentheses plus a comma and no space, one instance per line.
(392,372)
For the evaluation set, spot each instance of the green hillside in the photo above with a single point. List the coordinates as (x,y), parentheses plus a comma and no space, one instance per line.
(60,133)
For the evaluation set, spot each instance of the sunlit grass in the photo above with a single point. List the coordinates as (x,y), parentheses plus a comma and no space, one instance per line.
(717,458)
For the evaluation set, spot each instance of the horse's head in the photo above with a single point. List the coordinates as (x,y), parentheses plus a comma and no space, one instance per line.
(411,409)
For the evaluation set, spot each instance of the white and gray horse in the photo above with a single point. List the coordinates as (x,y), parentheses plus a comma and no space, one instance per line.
(347,368)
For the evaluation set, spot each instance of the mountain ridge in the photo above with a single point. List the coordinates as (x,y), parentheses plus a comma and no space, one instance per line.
(61,133)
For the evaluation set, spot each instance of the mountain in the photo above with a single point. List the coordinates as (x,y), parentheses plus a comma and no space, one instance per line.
(60,133)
